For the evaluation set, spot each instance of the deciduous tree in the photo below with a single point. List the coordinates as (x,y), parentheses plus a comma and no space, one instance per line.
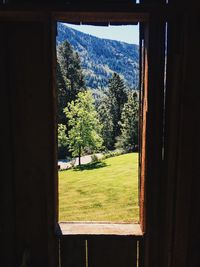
(85,128)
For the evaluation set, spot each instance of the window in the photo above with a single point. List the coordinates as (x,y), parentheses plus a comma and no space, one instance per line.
(61,131)
(98,138)
(80,235)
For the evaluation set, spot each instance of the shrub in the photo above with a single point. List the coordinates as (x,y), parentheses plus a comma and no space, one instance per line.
(94,158)
(72,163)
(114,153)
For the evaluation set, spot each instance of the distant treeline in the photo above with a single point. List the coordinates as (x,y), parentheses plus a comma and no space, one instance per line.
(100,58)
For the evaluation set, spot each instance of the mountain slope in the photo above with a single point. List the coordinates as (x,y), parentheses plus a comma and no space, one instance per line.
(101,57)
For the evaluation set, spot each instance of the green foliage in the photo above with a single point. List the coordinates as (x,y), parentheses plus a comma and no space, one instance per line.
(62,141)
(105,118)
(110,109)
(85,128)
(116,119)
(101,57)
(94,158)
(70,79)
(128,140)
(113,153)
(62,94)
(117,98)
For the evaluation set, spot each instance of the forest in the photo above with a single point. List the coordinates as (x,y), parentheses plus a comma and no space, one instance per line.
(101,57)
(88,122)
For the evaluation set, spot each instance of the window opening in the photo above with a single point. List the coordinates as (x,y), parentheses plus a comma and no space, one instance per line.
(98,120)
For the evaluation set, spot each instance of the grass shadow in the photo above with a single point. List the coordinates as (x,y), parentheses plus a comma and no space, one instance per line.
(91,166)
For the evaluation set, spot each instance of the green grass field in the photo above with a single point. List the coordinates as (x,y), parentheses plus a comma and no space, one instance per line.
(105,191)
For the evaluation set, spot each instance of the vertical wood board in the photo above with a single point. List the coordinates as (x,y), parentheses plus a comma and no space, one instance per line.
(72,252)
(112,251)
(32,123)
(7,209)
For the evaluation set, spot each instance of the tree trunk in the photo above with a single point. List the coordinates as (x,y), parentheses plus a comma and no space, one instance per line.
(79,156)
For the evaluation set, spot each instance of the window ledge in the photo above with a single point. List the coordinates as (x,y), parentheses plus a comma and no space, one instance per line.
(100,228)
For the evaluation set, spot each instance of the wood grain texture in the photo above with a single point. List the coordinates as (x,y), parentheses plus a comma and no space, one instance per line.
(154,182)
(112,251)
(185,242)
(94,228)
(72,252)
(7,209)
(31,137)
(172,129)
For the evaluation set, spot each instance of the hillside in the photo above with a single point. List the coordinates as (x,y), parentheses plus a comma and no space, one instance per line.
(101,57)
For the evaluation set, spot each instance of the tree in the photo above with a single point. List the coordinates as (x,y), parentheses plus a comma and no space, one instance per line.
(128,140)
(62,141)
(84,133)
(105,118)
(117,97)
(70,79)
(62,94)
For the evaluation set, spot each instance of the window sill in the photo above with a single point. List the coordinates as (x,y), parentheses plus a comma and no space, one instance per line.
(100,228)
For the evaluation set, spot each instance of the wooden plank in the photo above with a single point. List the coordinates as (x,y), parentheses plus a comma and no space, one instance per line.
(84,228)
(101,17)
(32,135)
(7,208)
(112,251)
(72,251)
(172,129)
(186,231)
(141,253)
(61,11)
(154,217)
(143,122)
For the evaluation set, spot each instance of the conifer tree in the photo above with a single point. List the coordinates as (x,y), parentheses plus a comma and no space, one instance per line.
(70,79)
(105,118)
(62,95)
(117,97)
(128,140)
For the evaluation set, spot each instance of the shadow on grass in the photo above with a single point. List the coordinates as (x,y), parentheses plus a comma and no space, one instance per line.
(91,166)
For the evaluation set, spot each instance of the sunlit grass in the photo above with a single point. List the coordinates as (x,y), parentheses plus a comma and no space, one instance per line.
(105,191)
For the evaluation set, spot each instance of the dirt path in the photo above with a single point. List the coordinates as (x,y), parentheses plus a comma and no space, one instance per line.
(64,164)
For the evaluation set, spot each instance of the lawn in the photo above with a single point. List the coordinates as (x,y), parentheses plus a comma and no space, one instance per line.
(105,191)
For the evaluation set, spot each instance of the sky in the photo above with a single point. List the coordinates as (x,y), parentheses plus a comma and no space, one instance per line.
(128,34)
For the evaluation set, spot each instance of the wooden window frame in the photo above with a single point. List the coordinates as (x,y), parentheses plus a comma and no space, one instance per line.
(156,194)
(113,18)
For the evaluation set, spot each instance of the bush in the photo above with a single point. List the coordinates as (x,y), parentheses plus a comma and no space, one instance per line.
(94,158)
(114,153)
(72,163)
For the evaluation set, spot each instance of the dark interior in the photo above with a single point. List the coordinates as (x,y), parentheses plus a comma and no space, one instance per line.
(170,168)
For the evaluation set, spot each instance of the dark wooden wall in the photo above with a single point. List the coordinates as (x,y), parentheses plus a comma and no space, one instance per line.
(27,210)
(184,60)
(27,187)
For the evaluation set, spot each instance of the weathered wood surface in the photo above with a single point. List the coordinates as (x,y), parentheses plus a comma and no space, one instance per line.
(113,251)
(185,225)
(72,251)
(7,211)
(153,151)
(78,228)
(20,86)
(172,128)
(101,250)
(29,205)
(143,120)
